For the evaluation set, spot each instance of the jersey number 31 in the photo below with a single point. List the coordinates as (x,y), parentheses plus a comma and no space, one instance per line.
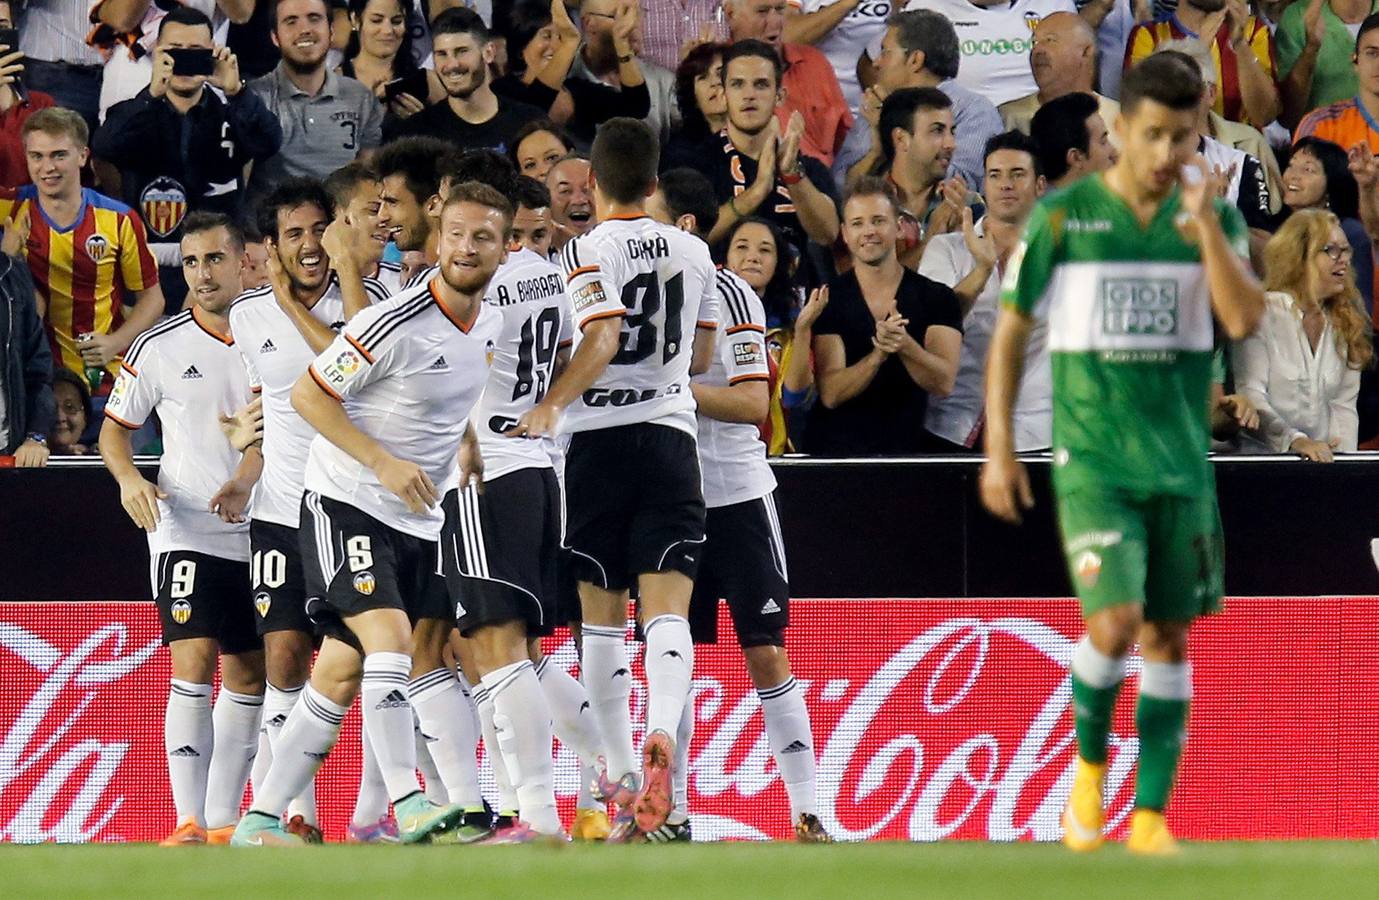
(649,313)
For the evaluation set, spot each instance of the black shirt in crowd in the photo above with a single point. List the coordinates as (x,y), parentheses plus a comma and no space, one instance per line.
(440,121)
(887,417)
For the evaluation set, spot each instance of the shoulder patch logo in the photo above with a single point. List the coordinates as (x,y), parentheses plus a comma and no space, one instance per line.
(747,353)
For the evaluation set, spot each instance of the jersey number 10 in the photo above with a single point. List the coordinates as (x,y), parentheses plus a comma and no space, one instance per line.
(641,332)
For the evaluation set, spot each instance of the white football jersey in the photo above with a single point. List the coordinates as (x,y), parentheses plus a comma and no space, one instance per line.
(191,376)
(863,26)
(389,275)
(732,456)
(660,281)
(409,376)
(529,294)
(276,355)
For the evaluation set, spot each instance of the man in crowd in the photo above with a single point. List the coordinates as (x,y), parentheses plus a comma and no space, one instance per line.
(806,81)
(188,370)
(841,30)
(1071,139)
(57,59)
(88,253)
(26,364)
(1349,122)
(1315,40)
(164,179)
(611,55)
(572,201)
(920,49)
(972,262)
(764,170)
(1064,61)
(471,116)
(1242,49)
(327,119)
(668,28)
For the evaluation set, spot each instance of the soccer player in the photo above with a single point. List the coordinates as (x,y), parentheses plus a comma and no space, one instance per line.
(1132,263)
(189,372)
(409,178)
(644,309)
(391,397)
(743,559)
(355,190)
(279,329)
(532,226)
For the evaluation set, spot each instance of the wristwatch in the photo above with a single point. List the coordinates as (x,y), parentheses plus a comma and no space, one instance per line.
(39,439)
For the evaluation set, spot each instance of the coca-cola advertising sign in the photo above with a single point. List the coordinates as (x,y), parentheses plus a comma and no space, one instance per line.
(932,719)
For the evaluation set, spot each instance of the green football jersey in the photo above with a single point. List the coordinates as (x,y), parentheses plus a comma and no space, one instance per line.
(1129,336)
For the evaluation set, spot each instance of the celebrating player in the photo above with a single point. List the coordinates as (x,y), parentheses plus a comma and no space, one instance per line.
(743,559)
(279,330)
(634,506)
(1132,264)
(390,398)
(189,372)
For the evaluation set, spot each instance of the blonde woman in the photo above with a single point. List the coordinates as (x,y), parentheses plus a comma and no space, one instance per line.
(1301,369)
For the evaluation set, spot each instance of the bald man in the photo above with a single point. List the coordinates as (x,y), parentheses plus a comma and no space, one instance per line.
(1064,61)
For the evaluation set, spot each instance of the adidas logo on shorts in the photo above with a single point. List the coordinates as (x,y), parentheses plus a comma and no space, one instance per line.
(268,347)
(392,701)
(186,751)
(795,747)
(770,607)
(191,372)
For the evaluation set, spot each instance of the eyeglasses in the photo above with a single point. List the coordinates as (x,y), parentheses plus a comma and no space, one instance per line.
(1338,252)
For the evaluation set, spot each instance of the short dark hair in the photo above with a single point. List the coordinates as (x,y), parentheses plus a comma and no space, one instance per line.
(1169,78)
(276,3)
(483,195)
(460,20)
(207,220)
(1014,140)
(695,64)
(517,22)
(928,32)
(417,159)
(344,181)
(1370,23)
(529,192)
(1342,194)
(624,158)
(484,166)
(898,111)
(533,127)
(186,15)
(872,186)
(1061,125)
(289,195)
(754,48)
(688,192)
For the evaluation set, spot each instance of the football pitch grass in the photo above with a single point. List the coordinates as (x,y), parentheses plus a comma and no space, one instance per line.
(727,870)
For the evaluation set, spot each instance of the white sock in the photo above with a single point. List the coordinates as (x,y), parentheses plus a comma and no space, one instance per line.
(236,721)
(684,735)
(669,672)
(450,735)
(585,798)
(371,803)
(608,679)
(507,794)
(1094,668)
(189,740)
(435,788)
(310,733)
(1167,681)
(792,742)
(388,716)
(571,715)
(523,724)
(277,704)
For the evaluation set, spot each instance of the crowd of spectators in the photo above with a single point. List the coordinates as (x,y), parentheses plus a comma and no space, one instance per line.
(873,164)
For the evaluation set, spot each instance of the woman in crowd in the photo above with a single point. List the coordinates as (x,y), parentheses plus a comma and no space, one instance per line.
(73,402)
(1301,368)
(702,103)
(537,146)
(380,51)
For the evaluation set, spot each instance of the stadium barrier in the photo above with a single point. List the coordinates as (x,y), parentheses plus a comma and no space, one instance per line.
(932,719)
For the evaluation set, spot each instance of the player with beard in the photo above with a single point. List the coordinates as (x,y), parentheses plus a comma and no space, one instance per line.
(409,178)
(355,190)
(744,556)
(572,199)
(279,329)
(532,225)
(644,304)
(755,170)
(472,116)
(390,398)
(327,120)
(188,371)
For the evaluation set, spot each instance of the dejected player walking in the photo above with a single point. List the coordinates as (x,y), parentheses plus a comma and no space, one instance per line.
(644,308)
(1132,265)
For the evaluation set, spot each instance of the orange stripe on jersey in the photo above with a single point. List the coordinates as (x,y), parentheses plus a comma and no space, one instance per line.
(223,338)
(626,217)
(703,324)
(747,326)
(128,368)
(118,421)
(582,270)
(360,347)
(610,314)
(320,382)
(445,311)
(741,378)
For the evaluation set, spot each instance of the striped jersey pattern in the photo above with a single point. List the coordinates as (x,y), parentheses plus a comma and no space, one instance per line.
(1145,36)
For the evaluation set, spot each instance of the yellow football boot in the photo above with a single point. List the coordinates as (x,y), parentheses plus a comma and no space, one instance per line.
(1084,818)
(590,825)
(1149,835)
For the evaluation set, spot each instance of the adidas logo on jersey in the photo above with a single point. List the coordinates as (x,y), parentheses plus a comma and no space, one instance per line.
(191,372)
(770,607)
(392,701)
(278,721)
(186,751)
(268,347)
(795,747)
(440,365)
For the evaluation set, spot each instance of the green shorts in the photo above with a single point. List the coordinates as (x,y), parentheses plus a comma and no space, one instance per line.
(1161,551)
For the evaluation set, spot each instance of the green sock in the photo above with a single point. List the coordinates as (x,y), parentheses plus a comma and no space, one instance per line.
(1161,724)
(1092,708)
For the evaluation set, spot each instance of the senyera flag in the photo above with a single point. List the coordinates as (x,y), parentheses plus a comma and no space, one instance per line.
(932,719)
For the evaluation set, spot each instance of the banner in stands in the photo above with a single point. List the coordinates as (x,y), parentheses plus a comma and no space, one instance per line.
(932,719)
